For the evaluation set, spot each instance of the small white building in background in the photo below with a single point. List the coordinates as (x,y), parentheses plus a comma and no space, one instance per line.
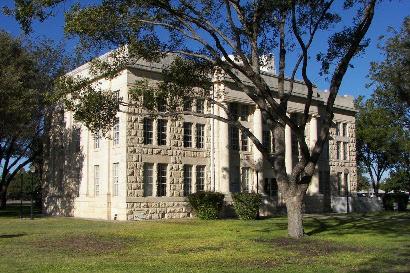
(147,166)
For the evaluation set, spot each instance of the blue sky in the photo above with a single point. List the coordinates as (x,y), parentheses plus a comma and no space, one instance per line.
(388,14)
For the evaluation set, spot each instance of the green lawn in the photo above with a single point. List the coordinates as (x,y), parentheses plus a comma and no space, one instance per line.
(356,243)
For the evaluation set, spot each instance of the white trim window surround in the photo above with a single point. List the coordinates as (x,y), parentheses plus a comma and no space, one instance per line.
(96,180)
(116,133)
(115,178)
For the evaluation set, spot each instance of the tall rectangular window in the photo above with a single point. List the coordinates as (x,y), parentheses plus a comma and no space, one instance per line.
(200,136)
(244,112)
(200,106)
(162,132)
(200,178)
(77,139)
(234,138)
(338,128)
(344,129)
(148,178)
(345,151)
(234,179)
(96,180)
(339,183)
(97,138)
(245,180)
(271,187)
(161,105)
(187,179)
(187,134)
(115,170)
(234,110)
(187,104)
(162,180)
(346,183)
(338,149)
(148,131)
(116,133)
(116,95)
(244,142)
(266,140)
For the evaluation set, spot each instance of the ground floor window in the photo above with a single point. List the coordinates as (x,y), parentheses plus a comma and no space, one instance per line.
(271,187)
(115,170)
(148,178)
(200,178)
(245,179)
(162,180)
(187,179)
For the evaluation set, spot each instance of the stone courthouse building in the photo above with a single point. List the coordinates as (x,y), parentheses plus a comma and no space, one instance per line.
(148,165)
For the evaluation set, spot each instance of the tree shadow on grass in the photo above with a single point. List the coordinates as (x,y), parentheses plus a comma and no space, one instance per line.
(384,224)
(8,236)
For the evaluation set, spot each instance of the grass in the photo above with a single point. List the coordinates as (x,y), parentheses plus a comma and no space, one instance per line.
(336,243)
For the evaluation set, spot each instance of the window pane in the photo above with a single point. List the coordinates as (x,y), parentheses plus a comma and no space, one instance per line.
(266,140)
(148,132)
(200,105)
(97,137)
(234,138)
(96,180)
(345,151)
(245,179)
(115,170)
(187,179)
(244,112)
(187,134)
(235,179)
(339,183)
(200,178)
(187,104)
(234,110)
(162,180)
(244,142)
(200,135)
(148,179)
(162,132)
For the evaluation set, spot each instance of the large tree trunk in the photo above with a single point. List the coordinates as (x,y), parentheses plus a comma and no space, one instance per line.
(3,196)
(295,216)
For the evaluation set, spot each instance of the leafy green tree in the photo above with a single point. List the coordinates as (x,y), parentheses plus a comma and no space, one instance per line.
(203,34)
(26,78)
(397,182)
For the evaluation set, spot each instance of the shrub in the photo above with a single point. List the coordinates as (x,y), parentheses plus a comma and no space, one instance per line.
(401,198)
(207,205)
(247,204)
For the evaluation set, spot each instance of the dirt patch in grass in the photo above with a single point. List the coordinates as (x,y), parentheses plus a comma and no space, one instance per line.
(309,247)
(83,245)
(191,249)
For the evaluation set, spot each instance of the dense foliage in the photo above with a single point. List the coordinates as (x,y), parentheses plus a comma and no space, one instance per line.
(247,204)
(402,200)
(207,205)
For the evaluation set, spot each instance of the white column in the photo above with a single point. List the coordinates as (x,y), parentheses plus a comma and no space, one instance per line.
(314,186)
(288,149)
(222,170)
(257,155)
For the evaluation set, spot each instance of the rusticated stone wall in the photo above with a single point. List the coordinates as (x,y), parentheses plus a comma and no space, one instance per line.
(175,155)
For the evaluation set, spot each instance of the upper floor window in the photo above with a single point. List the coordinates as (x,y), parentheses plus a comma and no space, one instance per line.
(244,112)
(266,140)
(187,134)
(77,139)
(116,95)
(344,129)
(345,151)
(200,106)
(234,110)
(200,178)
(115,170)
(162,132)
(244,142)
(148,178)
(338,128)
(200,136)
(116,132)
(187,179)
(338,150)
(161,105)
(148,131)
(187,104)
(234,138)
(97,138)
